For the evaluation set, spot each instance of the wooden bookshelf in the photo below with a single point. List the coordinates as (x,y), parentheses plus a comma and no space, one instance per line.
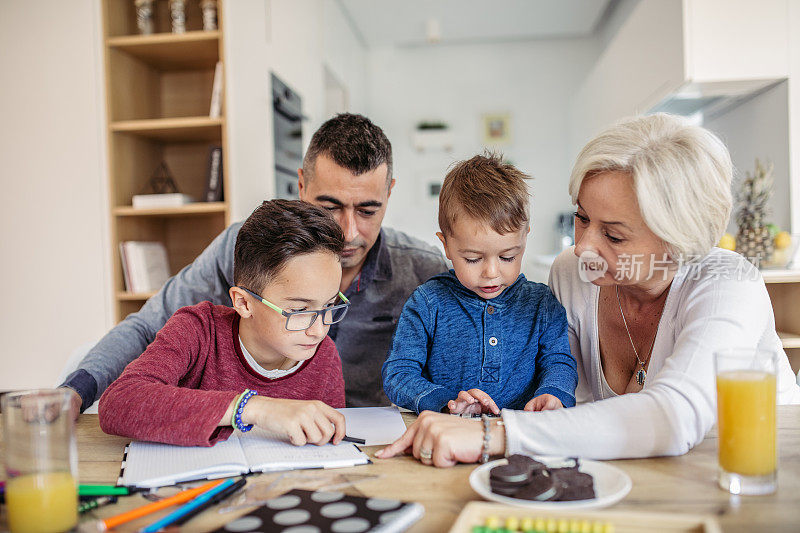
(784,291)
(182,129)
(179,211)
(158,96)
(193,50)
(134,296)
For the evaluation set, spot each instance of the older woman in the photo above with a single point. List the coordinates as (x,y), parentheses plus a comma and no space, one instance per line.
(649,299)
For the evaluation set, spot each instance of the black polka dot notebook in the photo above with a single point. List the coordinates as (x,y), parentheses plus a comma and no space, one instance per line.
(302,511)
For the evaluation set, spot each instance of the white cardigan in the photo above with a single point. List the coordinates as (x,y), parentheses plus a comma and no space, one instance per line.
(720,302)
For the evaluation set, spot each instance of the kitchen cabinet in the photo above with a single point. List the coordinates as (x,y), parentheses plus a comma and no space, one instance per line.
(682,56)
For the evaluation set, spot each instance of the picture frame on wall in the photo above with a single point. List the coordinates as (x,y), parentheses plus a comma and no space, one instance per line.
(496,129)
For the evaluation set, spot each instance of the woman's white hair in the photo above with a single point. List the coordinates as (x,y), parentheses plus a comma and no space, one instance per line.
(681,174)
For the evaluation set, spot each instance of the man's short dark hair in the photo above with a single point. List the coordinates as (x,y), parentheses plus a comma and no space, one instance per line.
(352,142)
(277,231)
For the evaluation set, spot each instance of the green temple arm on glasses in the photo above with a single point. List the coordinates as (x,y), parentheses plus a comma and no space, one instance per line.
(278,309)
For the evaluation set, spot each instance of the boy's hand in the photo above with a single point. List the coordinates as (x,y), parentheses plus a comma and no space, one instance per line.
(474,402)
(543,402)
(299,421)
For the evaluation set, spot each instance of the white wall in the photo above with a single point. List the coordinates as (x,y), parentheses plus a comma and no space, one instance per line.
(794,113)
(760,128)
(55,258)
(641,62)
(297,40)
(531,81)
(735,39)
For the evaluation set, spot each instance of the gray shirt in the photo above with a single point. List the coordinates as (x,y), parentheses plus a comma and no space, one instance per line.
(393,268)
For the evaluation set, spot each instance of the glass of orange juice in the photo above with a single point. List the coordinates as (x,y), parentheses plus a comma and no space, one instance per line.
(41,461)
(746,394)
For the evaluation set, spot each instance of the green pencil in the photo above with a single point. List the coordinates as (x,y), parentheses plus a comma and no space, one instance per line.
(102,490)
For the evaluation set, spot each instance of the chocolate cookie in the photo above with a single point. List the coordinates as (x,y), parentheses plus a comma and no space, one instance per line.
(506,489)
(570,493)
(541,488)
(572,476)
(572,484)
(510,473)
(528,462)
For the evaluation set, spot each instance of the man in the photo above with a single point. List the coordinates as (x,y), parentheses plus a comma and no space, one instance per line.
(347,170)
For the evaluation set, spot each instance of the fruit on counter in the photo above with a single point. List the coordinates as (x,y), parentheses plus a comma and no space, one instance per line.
(783,240)
(727,242)
(773,229)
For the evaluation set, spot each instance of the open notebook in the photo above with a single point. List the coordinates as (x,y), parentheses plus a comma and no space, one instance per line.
(149,464)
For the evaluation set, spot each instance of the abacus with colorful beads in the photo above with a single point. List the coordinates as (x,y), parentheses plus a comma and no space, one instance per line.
(490,517)
(528,524)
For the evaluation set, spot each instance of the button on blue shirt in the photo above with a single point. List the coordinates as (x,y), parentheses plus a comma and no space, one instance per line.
(448,339)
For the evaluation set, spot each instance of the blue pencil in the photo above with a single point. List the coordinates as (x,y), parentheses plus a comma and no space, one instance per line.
(188,507)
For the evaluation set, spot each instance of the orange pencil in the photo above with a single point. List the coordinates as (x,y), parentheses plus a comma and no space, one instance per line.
(181,497)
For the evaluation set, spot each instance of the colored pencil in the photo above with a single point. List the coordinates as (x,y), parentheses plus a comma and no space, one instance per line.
(213,501)
(181,497)
(94,504)
(102,490)
(187,508)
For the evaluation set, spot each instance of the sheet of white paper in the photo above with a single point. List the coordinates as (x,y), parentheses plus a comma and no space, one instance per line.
(376,425)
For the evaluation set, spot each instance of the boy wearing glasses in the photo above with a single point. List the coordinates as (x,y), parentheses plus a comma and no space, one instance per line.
(480,337)
(267,361)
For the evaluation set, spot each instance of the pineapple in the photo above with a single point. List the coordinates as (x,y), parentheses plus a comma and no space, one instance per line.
(754,240)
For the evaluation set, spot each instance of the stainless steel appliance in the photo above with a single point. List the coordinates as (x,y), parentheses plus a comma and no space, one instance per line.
(288,135)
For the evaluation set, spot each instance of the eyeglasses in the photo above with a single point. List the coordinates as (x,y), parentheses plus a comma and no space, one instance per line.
(302,320)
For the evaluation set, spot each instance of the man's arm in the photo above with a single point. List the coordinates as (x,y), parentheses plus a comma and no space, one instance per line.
(208,278)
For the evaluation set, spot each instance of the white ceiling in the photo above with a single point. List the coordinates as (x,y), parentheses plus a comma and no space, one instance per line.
(403,22)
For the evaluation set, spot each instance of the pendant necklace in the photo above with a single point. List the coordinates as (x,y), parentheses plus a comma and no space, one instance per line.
(641,375)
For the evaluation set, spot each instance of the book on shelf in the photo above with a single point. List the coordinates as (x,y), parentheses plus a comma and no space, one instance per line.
(216,93)
(150,464)
(144,265)
(149,201)
(213,192)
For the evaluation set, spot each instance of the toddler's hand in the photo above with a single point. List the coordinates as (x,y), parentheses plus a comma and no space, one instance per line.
(543,402)
(473,401)
(299,421)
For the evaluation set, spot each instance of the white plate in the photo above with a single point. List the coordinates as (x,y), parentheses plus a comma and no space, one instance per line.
(610,485)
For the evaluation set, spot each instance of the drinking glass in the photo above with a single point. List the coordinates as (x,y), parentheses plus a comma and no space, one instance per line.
(746,395)
(41,461)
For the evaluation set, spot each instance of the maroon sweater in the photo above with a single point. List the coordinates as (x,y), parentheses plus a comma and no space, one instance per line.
(180,387)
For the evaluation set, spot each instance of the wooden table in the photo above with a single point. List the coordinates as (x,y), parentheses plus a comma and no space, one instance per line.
(684,484)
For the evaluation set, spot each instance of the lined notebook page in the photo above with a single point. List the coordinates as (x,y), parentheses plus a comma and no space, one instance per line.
(149,464)
(266,454)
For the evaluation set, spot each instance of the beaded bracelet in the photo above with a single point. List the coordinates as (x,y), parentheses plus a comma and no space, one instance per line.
(235,406)
(237,413)
(487,435)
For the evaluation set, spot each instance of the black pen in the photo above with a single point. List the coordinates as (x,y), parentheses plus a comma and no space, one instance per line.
(354,440)
(213,501)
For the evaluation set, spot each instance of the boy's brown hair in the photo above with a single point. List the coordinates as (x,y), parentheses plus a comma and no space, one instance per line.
(277,231)
(486,189)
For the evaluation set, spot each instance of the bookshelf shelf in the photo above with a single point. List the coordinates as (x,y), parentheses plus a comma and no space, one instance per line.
(781,276)
(158,98)
(173,129)
(789,340)
(199,208)
(125,296)
(170,51)
(783,287)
